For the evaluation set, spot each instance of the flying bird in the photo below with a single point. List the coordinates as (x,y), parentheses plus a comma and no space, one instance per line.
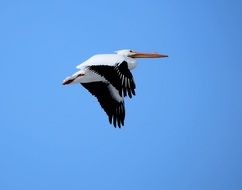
(108,78)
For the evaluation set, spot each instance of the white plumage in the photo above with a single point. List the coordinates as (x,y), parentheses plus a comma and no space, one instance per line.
(108,59)
(108,77)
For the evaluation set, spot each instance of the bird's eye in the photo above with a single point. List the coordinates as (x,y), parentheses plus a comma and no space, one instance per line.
(131,51)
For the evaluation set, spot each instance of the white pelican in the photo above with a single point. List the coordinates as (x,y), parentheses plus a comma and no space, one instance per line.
(108,77)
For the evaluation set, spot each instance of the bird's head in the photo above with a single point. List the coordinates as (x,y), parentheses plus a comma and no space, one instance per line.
(135,54)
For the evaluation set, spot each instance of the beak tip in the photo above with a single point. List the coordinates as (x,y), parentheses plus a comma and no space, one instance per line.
(163,55)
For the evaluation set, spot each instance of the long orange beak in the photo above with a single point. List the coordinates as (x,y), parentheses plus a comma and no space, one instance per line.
(147,55)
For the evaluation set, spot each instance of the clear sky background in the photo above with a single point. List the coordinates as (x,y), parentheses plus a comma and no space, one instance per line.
(183,128)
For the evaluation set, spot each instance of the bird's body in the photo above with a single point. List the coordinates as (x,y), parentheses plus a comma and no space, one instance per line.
(109,60)
(108,77)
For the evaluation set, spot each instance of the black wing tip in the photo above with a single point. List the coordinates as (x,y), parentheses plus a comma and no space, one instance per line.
(117,123)
(117,118)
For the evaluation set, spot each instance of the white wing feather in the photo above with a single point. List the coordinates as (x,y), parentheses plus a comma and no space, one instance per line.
(102,59)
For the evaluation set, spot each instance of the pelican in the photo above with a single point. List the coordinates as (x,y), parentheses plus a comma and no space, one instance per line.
(108,78)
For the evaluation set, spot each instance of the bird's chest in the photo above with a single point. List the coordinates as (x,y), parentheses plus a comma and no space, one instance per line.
(131,63)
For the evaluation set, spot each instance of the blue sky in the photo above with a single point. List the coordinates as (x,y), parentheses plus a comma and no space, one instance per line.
(183,128)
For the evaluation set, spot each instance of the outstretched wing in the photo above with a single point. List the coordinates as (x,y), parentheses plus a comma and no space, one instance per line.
(119,76)
(110,101)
